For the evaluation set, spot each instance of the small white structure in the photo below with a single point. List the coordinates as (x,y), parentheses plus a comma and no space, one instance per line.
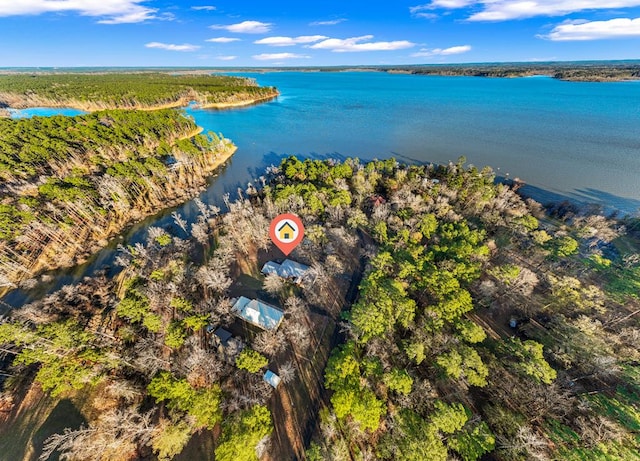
(272,378)
(289,269)
(258,313)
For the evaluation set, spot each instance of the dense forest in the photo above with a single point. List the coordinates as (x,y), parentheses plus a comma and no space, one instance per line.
(127,90)
(70,183)
(443,317)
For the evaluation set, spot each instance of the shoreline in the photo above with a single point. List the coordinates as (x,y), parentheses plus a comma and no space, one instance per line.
(182,103)
(230,105)
(565,73)
(94,243)
(574,71)
(118,229)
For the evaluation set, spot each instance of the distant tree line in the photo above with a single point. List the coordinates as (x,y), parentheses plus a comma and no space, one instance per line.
(125,90)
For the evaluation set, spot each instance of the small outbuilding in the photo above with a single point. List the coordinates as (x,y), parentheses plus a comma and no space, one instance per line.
(223,336)
(272,378)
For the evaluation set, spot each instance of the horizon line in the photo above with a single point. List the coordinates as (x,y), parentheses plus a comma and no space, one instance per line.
(329,66)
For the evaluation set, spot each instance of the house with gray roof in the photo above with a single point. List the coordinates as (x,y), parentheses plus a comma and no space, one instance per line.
(257,313)
(290,270)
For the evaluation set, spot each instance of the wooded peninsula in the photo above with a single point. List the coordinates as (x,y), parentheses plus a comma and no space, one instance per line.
(142,90)
(68,184)
(435,315)
(71,183)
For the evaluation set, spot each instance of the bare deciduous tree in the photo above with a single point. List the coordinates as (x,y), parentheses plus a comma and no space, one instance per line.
(180,221)
(528,442)
(203,368)
(200,231)
(115,435)
(270,342)
(263,446)
(287,372)
(124,390)
(204,210)
(596,429)
(273,284)
(214,279)
(298,333)
(148,357)
(154,233)
(221,310)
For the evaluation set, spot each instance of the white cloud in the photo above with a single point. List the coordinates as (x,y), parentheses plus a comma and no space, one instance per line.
(172,47)
(332,22)
(289,41)
(226,58)
(504,10)
(204,8)
(222,40)
(246,27)
(112,11)
(448,4)
(426,15)
(354,44)
(595,30)
(278,56)
(426,53)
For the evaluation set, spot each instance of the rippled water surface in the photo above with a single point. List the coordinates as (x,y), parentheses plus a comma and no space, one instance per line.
(564,139)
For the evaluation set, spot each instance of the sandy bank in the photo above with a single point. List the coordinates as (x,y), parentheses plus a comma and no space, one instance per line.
(14,101)
(248,102)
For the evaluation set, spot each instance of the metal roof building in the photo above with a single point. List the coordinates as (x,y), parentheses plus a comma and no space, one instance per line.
(258,313)
(287,270)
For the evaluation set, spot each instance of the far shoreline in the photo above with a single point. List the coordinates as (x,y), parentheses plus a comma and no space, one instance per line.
(573,71)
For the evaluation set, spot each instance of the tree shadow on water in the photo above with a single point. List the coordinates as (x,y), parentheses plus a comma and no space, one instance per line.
(610,203)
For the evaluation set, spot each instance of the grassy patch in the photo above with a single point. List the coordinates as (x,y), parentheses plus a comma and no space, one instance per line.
(623,282)
(610,451)
(622,408)
(38,419)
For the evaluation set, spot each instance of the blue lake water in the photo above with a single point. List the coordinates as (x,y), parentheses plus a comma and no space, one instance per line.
(564,139)
(43,112)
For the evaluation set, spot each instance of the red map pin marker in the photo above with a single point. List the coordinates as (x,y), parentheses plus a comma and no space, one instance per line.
(286,232)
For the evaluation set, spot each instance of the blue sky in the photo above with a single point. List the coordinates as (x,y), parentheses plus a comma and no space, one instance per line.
(330,32)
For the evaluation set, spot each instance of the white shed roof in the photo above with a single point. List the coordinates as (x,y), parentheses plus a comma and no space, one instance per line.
(272,378)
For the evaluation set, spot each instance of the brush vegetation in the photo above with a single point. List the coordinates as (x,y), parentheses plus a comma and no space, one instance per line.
(70,183)
(464,321)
